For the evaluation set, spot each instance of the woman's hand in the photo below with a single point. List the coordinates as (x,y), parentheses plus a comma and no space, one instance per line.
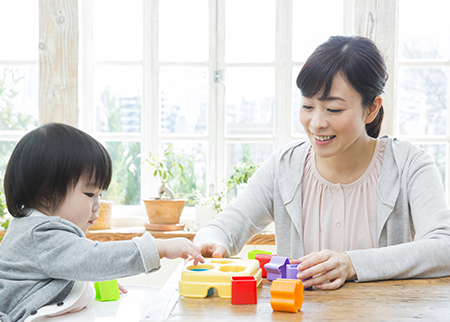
(212,250)
(323,267)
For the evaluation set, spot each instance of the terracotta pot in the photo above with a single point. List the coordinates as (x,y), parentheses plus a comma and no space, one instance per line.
(104,216)
(164,211)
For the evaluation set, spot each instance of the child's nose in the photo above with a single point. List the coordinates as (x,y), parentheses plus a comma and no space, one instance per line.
(96,204)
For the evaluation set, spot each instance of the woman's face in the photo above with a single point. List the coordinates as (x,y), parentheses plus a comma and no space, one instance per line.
(337,123)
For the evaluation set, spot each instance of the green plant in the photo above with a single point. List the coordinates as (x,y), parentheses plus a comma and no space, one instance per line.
(3,212)
(163,165)
(218,201)
(242,172)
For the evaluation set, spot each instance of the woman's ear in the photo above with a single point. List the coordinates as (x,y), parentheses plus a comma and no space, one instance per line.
(373,109)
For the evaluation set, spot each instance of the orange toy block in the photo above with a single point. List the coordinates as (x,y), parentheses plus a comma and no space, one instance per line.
(286,295)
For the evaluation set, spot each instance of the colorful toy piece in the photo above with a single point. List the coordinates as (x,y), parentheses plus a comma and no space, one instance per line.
(276,268)
(243,290)
(291,271)
(286,295)
(263,260)
(253,253)
(107,291)
(198,281)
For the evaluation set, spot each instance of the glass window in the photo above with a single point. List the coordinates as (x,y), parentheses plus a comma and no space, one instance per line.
(312,25)
(117,30)
(249,153)
(19,20)
(250,96)
(423,101)
(184,100)
(125,187)
(118,95)
(250,31)
(19,98)
(424,30)
(183,30)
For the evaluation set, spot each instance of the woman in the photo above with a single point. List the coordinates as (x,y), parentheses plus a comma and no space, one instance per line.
(347,205)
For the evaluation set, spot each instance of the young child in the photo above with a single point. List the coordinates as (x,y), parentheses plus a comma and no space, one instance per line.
(53,183)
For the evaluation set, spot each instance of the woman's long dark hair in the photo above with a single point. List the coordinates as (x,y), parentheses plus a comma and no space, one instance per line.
(47,162)
(359,60)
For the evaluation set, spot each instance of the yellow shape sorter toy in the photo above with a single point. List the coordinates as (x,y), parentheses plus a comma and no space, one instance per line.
(201,280)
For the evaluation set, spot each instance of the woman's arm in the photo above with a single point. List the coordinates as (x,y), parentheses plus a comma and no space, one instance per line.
(247,215)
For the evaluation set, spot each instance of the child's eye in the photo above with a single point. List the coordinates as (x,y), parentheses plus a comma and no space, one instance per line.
(90,195)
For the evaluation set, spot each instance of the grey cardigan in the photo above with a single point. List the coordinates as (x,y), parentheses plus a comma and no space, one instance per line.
(42,256)
(413,218)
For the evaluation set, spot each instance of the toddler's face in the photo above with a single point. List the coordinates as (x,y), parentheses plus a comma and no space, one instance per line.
(81,205)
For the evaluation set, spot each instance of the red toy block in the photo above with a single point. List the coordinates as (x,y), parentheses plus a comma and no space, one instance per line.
(243,290)
(263,260)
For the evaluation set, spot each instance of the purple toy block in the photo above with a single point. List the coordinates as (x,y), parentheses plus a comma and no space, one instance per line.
(291,271)
(276,268)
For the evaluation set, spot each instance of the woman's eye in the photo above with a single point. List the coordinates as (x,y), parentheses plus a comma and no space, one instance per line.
(90,195)
(334,111)
(306,107)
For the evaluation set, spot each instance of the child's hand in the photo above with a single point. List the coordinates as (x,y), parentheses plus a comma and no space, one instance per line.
(328,270)
(178,247)
(122,288)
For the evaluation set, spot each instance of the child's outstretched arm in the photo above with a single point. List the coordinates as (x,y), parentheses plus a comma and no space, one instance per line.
(178,247)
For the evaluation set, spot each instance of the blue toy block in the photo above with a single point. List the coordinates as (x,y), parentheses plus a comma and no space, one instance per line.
(107,291)
(276,268)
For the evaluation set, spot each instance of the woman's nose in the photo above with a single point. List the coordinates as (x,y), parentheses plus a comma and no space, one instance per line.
(319,120)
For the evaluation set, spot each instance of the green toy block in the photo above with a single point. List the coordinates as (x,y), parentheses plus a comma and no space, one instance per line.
(107,291)
(253,253)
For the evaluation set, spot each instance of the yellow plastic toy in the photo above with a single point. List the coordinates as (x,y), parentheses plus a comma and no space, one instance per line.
(201,280)
(286,295)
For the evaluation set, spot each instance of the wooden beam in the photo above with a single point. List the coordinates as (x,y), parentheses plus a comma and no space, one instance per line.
(58,61)
(376,19)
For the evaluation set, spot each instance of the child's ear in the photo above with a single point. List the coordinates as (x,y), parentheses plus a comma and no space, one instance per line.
(373,109)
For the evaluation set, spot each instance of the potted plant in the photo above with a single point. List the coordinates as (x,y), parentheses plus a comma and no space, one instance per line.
(164,209)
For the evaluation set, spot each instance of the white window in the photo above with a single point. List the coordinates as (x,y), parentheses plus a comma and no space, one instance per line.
(424,78)
(213,78)
(19,73)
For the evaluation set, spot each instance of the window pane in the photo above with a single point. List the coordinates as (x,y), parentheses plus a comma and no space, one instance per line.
(193,175)
(118,95)
(439,154)
(125,187)
(184,100)
(424,29)
(19,99)
(248,153)
(250,96)
(19,30)
(118,30)
(312,25)
(297,127)
(6,148)
(250,30)
(423,99)
(183,30)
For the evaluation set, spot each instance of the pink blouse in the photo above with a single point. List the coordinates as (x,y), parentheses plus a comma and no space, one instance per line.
(340,217)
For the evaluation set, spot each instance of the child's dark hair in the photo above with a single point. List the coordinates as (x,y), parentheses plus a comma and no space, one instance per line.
(359,61)
(47,162)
